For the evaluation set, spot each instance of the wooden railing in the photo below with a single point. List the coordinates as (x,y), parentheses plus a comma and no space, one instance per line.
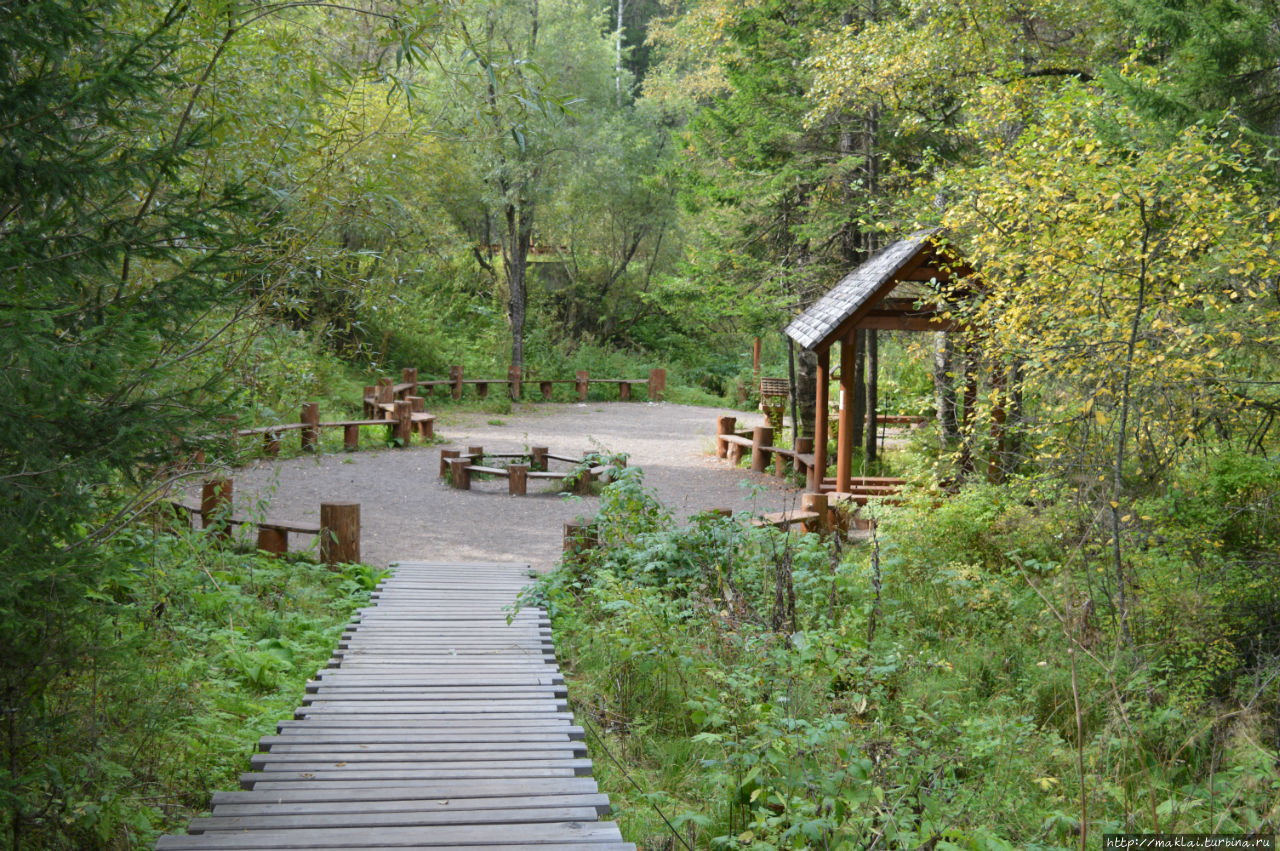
(385,392)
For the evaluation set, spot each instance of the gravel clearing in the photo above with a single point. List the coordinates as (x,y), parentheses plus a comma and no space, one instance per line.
(407,512)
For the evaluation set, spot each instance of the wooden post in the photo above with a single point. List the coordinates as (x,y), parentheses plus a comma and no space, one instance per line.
(418,405)
(404,423)
(447,455)
(482,389)
(538,458)
(844,448)
(582,485)
(340,532)
(455,375)
(513,382)
(821,431)
(460,474)
(476,453)
(215,507)
(724,425)
(657,384)
(624,391)
(272,539)
(545,387)
(351,438)
(311,426)
(367,401)
(761,436)
(578,538)
(384,395)
(817,502)
(583,383)
(409,375)
(271,443)
(517,479)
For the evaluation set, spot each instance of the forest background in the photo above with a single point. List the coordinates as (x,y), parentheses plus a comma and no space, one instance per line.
(214,210)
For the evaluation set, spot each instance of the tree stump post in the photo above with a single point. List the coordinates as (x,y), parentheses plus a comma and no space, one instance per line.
(545,388)
(477,454)
(409,375)
(624,391)
(273,540)
(459,473)
(517,479)
(724,425)
(404,423)
(271,443)
(761,436)
(339,532)
(513,382)
(351,438)
(538,458)
(817,502)
(578,538)
(447,455)
(582,383)
(482,389)
(657,384)
(455,375)
(215,507)
(424,428)
(384,394)
(311,426)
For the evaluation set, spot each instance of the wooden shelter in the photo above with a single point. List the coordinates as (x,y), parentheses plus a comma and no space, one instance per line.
(904,287)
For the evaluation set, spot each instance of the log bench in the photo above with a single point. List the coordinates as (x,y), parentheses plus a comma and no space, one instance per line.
(810,520)
(460,466)
(273,534)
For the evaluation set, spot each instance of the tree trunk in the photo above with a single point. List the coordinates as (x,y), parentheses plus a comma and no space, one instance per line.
(944,387)
(873,392)
(515,263)
(859,402)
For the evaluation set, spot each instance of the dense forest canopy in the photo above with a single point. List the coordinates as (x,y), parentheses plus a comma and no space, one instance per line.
(211,210)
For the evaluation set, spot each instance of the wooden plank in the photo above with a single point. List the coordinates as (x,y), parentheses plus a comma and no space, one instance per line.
(445,836)
(439,816)
(445,797)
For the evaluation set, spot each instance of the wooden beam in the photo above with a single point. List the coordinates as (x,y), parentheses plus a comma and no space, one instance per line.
(908,323)
(844,449)
(820,428)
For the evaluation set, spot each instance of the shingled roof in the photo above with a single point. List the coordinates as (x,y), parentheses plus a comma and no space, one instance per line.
(819,326)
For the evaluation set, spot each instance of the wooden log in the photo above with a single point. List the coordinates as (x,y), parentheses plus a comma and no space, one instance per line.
(582,383)
(724,425)
(447,455)
(482,389)
(384,394)
(403,414)
(513,382)
(272,539)
(350,437)
(761,436)
(409,375)
(657,384)
(517,479)
(215,507)
(271,443)
(310,426)
(368,399)
(582,484)
(340,532)
(476,453)
(455,375)
(460,474)
(545,387)
(538,458)
(844,440)
(817,502)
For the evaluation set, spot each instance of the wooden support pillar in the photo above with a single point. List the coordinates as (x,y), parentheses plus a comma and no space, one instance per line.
(351,438)
(821,430)
(311,426)
(844,448)
(273,539)
(817,502)
(657,384)
(545,388)
(340,532)
(804,446)
(367,401)
(455,375)
(624,391)
(517,479)
(513,382)
(409,375)
(384,394)
(761,436)
(215,507)
(482,389)
(460,474)
(404,423)
(271,443)
(582,384)
(538,458)
(476,453)
(447,455)
(724,425)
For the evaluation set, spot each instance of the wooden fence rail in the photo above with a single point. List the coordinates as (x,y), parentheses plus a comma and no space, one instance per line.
(386,391)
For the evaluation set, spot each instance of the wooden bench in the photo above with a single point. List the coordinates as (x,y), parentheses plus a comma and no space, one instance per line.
(273,535)
(786,519)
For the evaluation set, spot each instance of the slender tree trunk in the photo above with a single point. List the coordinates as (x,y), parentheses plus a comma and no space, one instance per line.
(873,389)
(944,387)
(806,391)
(859,401)
(515,263)
(617,61)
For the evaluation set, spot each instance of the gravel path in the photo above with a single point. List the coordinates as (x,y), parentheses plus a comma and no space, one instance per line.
(407,512)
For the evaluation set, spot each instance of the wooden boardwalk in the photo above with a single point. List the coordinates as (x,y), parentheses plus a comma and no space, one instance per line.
(436,725)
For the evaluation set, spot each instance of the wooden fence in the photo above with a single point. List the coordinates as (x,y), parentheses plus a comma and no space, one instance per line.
(386,392)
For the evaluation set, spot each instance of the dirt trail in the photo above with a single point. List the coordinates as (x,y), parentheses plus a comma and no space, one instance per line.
(408,512)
